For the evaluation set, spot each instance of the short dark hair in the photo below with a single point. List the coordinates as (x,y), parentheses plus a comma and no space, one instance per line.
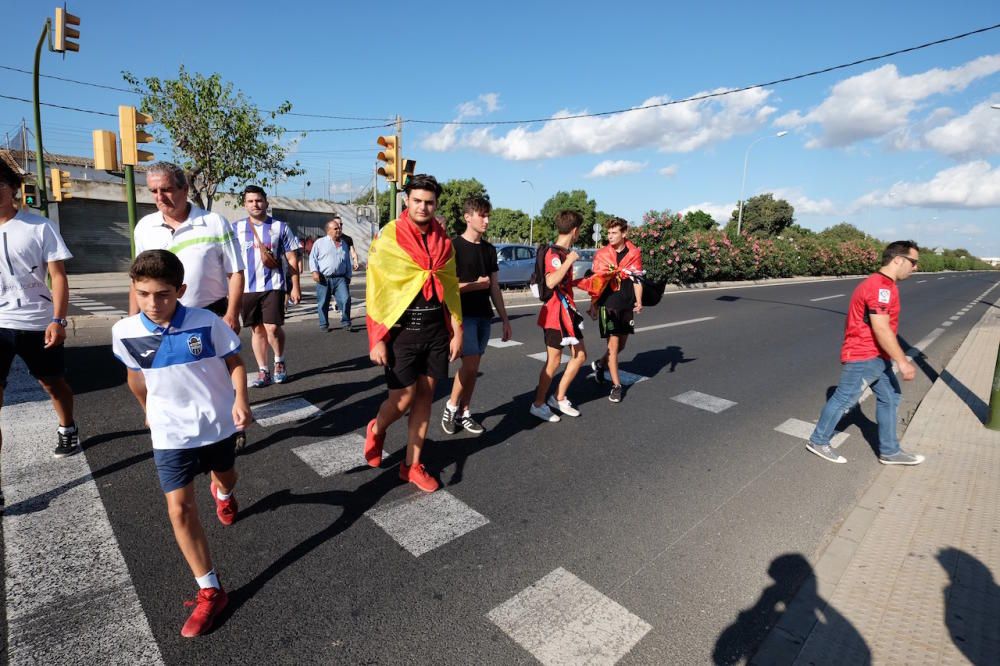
(254,189)
(158,265)
(423,181)
(9,176)
(616,223)
(900,248)
(567,221)
(477,204)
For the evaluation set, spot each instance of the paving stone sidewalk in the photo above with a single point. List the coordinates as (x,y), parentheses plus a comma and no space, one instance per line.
(909,577)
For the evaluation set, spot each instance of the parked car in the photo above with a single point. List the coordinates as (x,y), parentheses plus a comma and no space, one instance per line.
(516,264)
(584,266)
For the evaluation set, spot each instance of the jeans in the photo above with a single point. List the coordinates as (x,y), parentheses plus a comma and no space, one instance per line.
(337,288)
(877,374)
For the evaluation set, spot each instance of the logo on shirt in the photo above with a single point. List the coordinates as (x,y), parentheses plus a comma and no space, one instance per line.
(195,346)
(147,353)
(883,295)
(556,263)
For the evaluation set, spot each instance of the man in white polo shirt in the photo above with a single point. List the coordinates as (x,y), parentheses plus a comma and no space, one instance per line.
(203,241)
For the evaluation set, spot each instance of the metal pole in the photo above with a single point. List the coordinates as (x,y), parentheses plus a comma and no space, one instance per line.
(43,197)
(993,422)
(743,185)
(399,154)
(130,197)
(531,217)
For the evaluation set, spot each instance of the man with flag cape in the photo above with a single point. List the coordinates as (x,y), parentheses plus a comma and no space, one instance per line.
(414,320)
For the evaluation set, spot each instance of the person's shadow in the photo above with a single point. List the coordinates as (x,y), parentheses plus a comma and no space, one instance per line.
(794,579)
(971,606)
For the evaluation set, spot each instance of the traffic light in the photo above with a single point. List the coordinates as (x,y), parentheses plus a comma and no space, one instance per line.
(390,155)
(29,195)
(406,172)
(64,33)
(62,186)
(129,121)
(105,150)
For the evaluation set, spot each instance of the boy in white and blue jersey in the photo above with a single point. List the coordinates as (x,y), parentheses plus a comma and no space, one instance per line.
(185,370)
(268,245)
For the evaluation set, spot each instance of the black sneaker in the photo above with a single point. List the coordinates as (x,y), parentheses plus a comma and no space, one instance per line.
(69,443)
(470,425)
(598,369)
(449,420)
(616,393)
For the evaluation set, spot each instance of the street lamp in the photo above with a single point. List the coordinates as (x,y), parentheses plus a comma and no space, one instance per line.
(531,219)
(746,160)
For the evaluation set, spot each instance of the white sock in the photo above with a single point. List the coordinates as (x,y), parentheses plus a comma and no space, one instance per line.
(450,407)
(279,359)
(467,414)
(208,580)
(220,495)
(67,429)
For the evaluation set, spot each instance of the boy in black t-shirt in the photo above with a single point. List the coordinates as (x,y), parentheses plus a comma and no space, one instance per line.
(476,264)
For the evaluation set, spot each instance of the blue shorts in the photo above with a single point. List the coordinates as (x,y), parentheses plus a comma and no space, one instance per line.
(475,335)
(179,467)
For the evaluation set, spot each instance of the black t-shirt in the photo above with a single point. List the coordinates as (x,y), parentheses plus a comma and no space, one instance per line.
(473,261)
(423,322)
(347,239)
(624,298)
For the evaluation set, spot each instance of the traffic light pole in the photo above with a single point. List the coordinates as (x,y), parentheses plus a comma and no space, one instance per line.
(130,197)
(43,198)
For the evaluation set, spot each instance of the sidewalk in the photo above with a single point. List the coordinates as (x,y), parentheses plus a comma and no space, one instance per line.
(909,577)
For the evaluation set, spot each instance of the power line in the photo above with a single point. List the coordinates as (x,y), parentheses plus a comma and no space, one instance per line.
(63,78)
(60,106)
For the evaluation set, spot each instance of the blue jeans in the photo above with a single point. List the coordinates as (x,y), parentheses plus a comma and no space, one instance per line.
(337,288)
(877,374)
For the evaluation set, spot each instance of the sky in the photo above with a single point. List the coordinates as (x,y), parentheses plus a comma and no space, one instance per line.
(903,147)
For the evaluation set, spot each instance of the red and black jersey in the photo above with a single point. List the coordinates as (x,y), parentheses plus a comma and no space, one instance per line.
(876,295)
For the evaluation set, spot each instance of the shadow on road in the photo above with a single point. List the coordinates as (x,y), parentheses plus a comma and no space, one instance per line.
(972,606)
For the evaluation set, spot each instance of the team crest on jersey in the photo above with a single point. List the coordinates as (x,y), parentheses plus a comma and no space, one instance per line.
(195,346)
(556,262)
(883,295)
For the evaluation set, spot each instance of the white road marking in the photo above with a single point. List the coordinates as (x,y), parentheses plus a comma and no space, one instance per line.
(627,378)
(709,403)
(803,429)
(544,356)
(940,278)
(919,281)
(334,456)
(673,323)
(825,298)
(287,410)
(955,318)
(562,620)
(926,342)
(947,323)
(424,521)
(499,343)
(69,595)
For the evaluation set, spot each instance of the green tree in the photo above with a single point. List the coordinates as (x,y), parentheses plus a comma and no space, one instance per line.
(844,232)
(576,200)
(699,220)
(218,136)
(508,225)
(763,215)
(453,196)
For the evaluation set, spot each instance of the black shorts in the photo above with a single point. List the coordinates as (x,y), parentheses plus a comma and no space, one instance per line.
(179,467)
(264,307)
(30,346)
(219,307)
(554,337)
(615,322)
(409,360)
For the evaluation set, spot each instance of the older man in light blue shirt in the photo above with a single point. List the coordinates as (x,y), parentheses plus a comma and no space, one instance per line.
(330,263)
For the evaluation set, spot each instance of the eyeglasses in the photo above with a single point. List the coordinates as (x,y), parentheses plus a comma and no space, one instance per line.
(913,262)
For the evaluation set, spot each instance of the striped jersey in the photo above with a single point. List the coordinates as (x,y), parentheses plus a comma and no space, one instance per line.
(277,237)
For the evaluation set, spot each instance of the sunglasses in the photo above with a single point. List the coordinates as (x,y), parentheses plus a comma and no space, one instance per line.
(913,262)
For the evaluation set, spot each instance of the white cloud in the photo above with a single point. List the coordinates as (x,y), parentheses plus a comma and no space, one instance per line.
(668,171)
(976,134)
(877,102)
(719,212)
(446,138)
(344,187)
(971,185)
(804,205)
(609,168)
(678,128)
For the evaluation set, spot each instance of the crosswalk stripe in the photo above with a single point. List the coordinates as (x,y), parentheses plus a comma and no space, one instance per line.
(709,403)
(287,410)
(70,598)
(424,521)
(803,429)
(544,356)
(334,456)
(627,378)
(499,343)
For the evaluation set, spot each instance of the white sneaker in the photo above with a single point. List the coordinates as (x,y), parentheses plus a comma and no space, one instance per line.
(564,406)
(544,413)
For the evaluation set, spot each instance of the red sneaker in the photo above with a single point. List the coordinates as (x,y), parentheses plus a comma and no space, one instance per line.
(207,606)
(418,476)
(225,509)
(373,445)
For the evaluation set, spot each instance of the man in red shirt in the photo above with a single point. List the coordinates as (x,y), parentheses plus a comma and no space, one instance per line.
(870,346)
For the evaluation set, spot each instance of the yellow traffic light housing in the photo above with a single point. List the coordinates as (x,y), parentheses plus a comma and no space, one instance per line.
(406,172)
(389,155)
(105,150)
(62,186)
(29,195)
(64,33)
(129,121)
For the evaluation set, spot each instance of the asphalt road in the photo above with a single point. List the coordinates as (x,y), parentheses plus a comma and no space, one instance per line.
(673,512)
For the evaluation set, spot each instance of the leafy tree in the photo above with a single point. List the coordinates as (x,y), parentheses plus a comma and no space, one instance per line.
(217,135)
(699,220)
(844,232)
(763,215)
(576,200)
(797,231)
(453,196)
(507,225)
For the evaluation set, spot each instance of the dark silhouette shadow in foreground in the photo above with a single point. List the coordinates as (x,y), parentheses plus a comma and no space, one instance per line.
(794,579)
(971,606)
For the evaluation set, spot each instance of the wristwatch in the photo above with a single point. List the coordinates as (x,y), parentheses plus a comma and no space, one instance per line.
(61,322)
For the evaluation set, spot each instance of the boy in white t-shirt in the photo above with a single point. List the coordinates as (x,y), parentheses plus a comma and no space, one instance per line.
(32,318)
(185,370)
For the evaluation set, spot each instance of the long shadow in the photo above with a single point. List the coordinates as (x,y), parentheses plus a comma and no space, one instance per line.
(980,408)
(971,606)
(94,368)
(794,579)
(731,299)
(856,417)
(347,365)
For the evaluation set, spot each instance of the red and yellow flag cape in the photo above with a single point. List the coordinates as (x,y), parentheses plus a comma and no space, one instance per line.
(607,272)
(400,267)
